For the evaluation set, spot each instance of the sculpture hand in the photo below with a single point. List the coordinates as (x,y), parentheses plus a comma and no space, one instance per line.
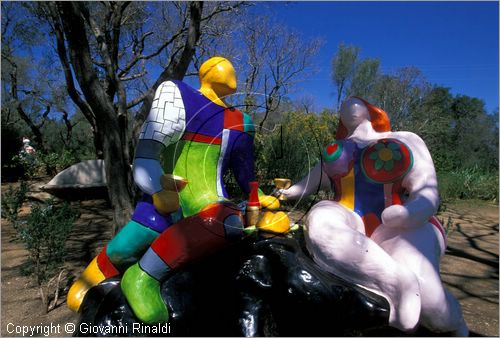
(269,202)
(289,194)
(396,216)
(166,201)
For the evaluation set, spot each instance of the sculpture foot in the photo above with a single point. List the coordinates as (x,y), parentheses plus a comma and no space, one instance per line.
(90,277)
(406,305)
(143,295)
(276,223)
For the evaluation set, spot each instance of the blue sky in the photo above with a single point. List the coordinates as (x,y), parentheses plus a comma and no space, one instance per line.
(455,44)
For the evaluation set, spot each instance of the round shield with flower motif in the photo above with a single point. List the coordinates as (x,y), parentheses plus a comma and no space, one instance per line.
(386,161)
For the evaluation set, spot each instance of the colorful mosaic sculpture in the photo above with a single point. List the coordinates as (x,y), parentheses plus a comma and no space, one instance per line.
(380,231)
(187,143)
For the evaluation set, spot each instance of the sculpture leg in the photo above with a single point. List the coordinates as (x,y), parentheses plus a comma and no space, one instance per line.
(186,241)
(122,251)
(338,247)
(420,250)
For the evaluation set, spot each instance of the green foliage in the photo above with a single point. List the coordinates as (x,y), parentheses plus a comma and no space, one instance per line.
(476,132)
(398,94)
(55,162)
(343,68)
(44,164)
(365,78)
(79,141)
(457,130)
(12,201)
(44,235)
(26,166)
(344,62)
(11,141)
(297,150)
(468,183)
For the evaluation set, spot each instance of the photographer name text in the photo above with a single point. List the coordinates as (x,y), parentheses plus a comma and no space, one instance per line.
(86,328)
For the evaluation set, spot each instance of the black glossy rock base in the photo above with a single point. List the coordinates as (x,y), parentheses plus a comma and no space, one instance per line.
(258,287)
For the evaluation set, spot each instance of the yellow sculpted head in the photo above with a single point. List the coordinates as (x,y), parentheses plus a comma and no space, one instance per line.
(218,74)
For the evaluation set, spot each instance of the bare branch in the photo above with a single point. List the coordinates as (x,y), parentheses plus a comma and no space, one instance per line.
(100,37)
(177,67)
(138,48)
(44,117)
(99,64)
(5,23)
(218,10)
(138,100)
(133,77)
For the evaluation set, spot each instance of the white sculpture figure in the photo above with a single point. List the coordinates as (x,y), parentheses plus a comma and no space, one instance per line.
(27,148)
(380,232)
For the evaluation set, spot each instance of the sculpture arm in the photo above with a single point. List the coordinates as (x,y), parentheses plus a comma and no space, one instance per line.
(164,125)
(421,184)
(242,161)
(316,179)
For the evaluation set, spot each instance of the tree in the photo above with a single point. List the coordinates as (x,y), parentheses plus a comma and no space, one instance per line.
(398,93)
(476,131)
(108,51)
(270,59)
(365,77)
(343,68)
(24,86)
(457,130)
(88,39)
(432,120)
(274,59)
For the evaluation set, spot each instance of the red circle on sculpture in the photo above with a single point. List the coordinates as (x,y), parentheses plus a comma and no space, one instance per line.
(400,167)
(331,148)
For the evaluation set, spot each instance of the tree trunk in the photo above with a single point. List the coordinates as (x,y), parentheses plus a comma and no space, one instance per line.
(339,96)
(118,175)
(118,172)
(111,125)
(35,129)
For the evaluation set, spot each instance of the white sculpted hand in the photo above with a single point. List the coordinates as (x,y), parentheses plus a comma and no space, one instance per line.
(396,216)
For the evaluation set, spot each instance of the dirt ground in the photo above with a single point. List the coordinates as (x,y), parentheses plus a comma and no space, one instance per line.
(469,268)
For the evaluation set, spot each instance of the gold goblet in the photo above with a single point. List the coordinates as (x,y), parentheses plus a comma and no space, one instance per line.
(282,183)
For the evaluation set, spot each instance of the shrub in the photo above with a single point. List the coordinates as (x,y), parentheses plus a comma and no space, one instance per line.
(55,162)
(44,235)
(44,164)
(28,166)
(294,152)
(469,183)
(12,201)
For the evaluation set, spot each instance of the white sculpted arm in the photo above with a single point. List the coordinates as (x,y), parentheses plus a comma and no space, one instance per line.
(309,184)
(421,184)
(164,125)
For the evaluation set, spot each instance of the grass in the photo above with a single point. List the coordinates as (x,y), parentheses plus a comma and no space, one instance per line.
(468,184)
